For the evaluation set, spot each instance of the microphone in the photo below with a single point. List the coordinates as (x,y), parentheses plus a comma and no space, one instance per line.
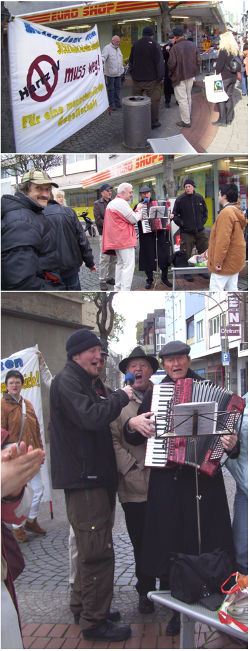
(146,200)
(129,379)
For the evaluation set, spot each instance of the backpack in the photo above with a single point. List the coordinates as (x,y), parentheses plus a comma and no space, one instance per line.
(235,64)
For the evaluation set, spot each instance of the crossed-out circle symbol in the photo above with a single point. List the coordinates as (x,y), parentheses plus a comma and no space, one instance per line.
(35,67)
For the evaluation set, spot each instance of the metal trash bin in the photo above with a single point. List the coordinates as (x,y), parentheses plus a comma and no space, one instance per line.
(136,121)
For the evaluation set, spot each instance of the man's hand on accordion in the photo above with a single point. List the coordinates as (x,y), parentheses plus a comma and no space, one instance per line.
(229,441)
(143,424)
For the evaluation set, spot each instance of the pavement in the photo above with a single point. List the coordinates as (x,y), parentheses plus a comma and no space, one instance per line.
(105,134)
(43,591)
(90,280)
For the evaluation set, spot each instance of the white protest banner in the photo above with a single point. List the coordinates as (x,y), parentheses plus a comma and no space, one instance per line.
(57,83)
(26,361)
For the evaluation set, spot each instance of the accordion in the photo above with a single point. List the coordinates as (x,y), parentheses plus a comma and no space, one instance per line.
(157,220)
(220,410)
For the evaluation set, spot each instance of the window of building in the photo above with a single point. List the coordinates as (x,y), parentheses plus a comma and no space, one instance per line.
(190,330)
(150,338)
(160,341)
(214,325)
(199,330)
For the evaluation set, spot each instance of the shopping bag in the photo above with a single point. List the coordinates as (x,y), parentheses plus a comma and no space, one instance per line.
(214,89)
(234,610)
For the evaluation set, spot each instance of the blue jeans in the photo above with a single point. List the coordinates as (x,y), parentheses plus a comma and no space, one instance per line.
(240,526)
(71,280)
(244,83)
(113,88)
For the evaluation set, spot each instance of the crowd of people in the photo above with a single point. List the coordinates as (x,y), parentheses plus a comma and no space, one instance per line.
(173,67)
(91,463)
(44,244)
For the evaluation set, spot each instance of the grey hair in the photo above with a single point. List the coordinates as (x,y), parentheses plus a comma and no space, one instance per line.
(23,187)
(123,187)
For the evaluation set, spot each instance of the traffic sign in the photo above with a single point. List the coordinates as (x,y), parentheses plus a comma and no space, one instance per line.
(230,330)
(225,359)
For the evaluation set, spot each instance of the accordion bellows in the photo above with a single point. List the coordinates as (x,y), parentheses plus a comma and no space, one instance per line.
(167,448)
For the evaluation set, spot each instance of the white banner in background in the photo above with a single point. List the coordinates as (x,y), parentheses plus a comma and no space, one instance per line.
(26,361)
(57,83)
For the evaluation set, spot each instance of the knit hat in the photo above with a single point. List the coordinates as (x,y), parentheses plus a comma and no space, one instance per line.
(174,348)
(148,31)
(178,31)
(40,177)
(81,340)
(138,353)
(145,188)
(189,182)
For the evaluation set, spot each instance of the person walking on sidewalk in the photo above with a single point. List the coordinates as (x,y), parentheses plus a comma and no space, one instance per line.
(83,465)
(227,246)
(15,410)
(183,65)
(113,70)
(228,49)
(190,214)
(119,235)
(146,65)
(107,262)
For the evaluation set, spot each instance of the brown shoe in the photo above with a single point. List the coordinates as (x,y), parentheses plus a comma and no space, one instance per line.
(20,535)
(32,525)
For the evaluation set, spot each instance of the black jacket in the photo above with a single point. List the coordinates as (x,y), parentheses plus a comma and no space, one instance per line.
(26,240)
(222,66)
(190,212)
(82,454)
(146,61)
(71,242)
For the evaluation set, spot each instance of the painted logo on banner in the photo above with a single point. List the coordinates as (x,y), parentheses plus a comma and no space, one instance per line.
(57,83)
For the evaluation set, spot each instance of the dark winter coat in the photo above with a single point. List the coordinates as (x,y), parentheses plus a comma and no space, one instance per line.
(184,61)
(147,252)
(222,66)
(146,61)
(171,517)
(99,211)
(71,242)
(26,240)
(82,454)
(190,212)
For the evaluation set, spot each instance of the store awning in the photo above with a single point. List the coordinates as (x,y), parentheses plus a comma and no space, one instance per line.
(138,165)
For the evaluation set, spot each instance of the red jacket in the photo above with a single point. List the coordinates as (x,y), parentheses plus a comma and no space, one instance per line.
(118,226)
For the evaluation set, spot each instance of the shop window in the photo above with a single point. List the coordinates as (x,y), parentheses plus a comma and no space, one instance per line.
(243,381)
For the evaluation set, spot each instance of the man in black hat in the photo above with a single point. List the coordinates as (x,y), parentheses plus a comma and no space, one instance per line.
(83,465)
(107,262)
(154,247)
(168,87)
(183,65)
(147,70)
(190,214)
(133,483)
(171,517)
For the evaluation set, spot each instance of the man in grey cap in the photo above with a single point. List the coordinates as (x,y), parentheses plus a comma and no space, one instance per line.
(190,214)
(133,476)
(107,262)
(83,465)
(147,70)
(183,65)
(26,237)
(171,517)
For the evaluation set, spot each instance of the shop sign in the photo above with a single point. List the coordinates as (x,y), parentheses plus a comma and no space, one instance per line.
(233,301)
(230,331)
(96,11)
(122,169)
(57,83)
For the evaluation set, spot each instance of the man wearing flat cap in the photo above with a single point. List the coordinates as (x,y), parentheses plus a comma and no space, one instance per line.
(133,476)
(183,65)
(190,214)
(171,517)
(26,236)
(147,70)
(83,465)
(107,262)
(154,247)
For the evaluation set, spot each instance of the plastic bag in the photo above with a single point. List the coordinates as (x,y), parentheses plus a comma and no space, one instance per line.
(214,89)
(234,610)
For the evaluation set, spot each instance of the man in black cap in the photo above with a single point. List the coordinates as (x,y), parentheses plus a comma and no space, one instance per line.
(154,247)
(83,465)
(183,65)
(171,516)
(26,236)
(190,214)
(107,262)
(133,483)
(147,70)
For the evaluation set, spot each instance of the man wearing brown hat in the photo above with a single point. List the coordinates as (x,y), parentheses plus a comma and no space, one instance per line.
(83,465)
(26,237)
(183,65)
(133,483)
(107,262)
(171,517)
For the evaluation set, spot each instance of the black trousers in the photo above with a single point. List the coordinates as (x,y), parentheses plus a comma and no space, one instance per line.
(135,518)
(226,109)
